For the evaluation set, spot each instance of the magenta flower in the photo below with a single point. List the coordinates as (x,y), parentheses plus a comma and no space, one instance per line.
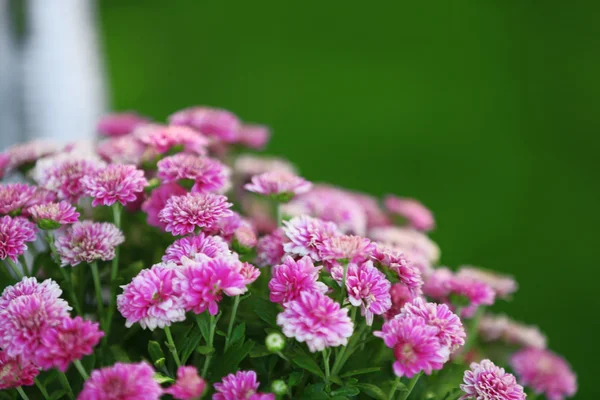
(161,139)
(53,215)
(157,201)
(190,246)
(182,214)
(294,277)
(14,233)
(63,174)
(545,372)
(189,385)
(118,124)
(208,174)
(40,196)
(500,327)
(400,295)
(151,300)
(503,285)
(417,215)
(15,372)
(250,273)
(476,292)
(353,248)
(317,320)
(70,340)
(269,249)
(487,381)
(407,273)
(215,122)
(369,289)
(88,241)
(406,240)
(242,385)
(122,382)
(253,136)
(306,234)
(279,184)
(115,183)
(416,346)
(13,196)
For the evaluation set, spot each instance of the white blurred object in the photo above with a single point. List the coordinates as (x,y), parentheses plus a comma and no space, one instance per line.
(9,80)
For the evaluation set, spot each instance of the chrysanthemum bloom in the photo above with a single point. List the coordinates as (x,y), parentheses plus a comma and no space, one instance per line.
(346,247)
(122,382)
(487,381)
(53,215)
(162,138)
(15,372)
(406,240)
(395,260)
(226,226)
(40,196)
(250,274)
(151,300)
(450,329)
(47,289)
(118,124)
(190,246)
(88,241)
(317,320)
(182,214)
(115,183)
(189,385)
(269,249)
(24,154)
(545,372)
(503,285)
(249,165)
(415,344)
(294,277)
(201,284)
(157,201)
(242,385)
(500,327)
(417,215)
(400,295)
(253,136)
(13,196)
(375,215)
(123,150)
(14,233)
(476,292)
(306,234)
(70,340)
(369,289)
(208,174)
(281,185)
(438,284)
(244,237)
(215,122)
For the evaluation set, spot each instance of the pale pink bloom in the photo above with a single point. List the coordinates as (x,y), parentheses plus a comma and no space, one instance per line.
(400,294)
(487,381)
(161,139)
(368,288)
(201,283)
(215,122)
(122,382)
(53,215)
(208,174)
(306,234)
(115,183)
(395,260)
(14,196)
(182,214)
(450,329)
(417,215)
(477,293)
(14,233)
(294,277)
(503,285)
(500,327)
(317,320)
(122,150)
(189,385)
(39,197)
(415,344)
(346,247)
(269,249)
(226,226)
(88,241)
(407,240)
(157,201)
(48,290)
(238,386)
(253,136)
(70,340)
(545,372)
(15,372)
(150,299)
(249,272)
(118,124)
(190,246)
(375,215)
(24,154)
(245,236)
(280,184)
(438,284)
(248,165)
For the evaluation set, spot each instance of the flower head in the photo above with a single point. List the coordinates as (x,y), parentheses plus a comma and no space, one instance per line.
(269,249)
(13,196)
(161,139)
(242,385)
(208,174)
(24,154)
(294,277)
(189,385)
(306,234)
(15,372)
(182,214)
(14,233)
(476,292)
(503,285)
(244,237)
(375,215)
(369,289)
(190,246)
(417,215)
(500,327)
(400,295)
(215,122)
(487,381)
(279,184)
(408,274)
(115,183)
(47,289)
(406,240)
(352,248)
(87,241)
(157,201)
(123,150)
(119,124)
(53,215)
(253,136)
(122,382)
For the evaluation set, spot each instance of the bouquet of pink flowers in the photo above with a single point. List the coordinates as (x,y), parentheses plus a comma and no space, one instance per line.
(168,260)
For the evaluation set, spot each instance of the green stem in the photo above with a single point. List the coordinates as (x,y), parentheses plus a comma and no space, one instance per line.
(343,294)
(116,208)
(172,346)
(532,396)
(411,385)
(81,370)
(471,333)
(278,213)
(211,338)
(65,383)
(339,359)
(41,388)
(22,393)
(15,269)
(96,277)
(67,277)
(326,364)
(52,246)
(26,269)
(236,303)
(394,388)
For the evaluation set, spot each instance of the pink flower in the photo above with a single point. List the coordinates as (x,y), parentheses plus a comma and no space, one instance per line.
(253,136)
(438,284)
(189,385)
(500,327)
(477,293)
(487,381)
(15,372)
(503,285)
(306,234)
(190,246)
(240,386)
(157,201)
(162,139)
(375,215)
(368,289)
(123,150)
(201,284)
(406,240)
(183,214)
(88,241)
(250,273)
(417,215)
(545,372)
(244,236)
(13,196)
(24,154)
(249,165)
(119,124)
(400,295)
(40,196)
(450,329)
(115,183)
(269,249)
(208,174)
(48,290)
(14,233)
(317,320)
(279,184)
(226,226)
(214,122)
(416,346)
(68,341)
(122,382)
(151,300)
(352,248)
(294,277)
(407,273)
(53,215)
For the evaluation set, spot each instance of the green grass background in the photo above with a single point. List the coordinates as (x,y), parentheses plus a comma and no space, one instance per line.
(487,111)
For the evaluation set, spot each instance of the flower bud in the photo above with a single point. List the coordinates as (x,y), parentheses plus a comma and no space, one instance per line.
(279,387)
(275,342)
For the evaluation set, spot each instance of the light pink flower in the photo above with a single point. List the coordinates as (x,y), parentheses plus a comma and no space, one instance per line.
(40,196)
(48,290)
(208,174)
(24,154)
(63,174)
(190,246)
(242,385)
(151,300)
(406,240)
(13,196)
(123,150)
(14,233)
(317,320)
(115,183)
(244,236)
(416,346)
(118,124)
(88,241)
(161,139)
(369,289)
(269,249)
(215,122)
(53,215)
(438,284)
(395,260)
(253,136)
(226,226)
(157,201)
(15,372)
(122,382)
(503,285)
(487,381)
(500,327)
(306,234)
(189,385)
(68,341)
(183,214)
(250,273)
(545,372)
(476,292)
(400,295)
(249,165)
(279,184)
(353,248)
(294,277)
(417,215)
(375,215)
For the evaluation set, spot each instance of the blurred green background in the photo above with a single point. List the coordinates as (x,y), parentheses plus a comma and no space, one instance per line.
(487,111)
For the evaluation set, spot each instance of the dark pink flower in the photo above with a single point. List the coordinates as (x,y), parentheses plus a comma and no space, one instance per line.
(14,196)
(115,183)
(417,215)
(369,289)
(189,385)
(88,241)
(14,233)
(400,295)
(157,201)
(242,385)
(208,174)
(294,277)
(183,214)
(118,124)
(214,122)
(476,292)
(190,246)
(53,215)
(306,234)
(15,372)
(395,260)
(269,249)
(122,382)
(487,381)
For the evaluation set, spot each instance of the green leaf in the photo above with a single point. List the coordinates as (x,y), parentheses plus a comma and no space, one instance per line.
(259,350)
(339,398)
(160,363)
(361,371)
(315,392)
(295,378)
(346,391)
(233,357)
(238,334)
(155,351)
(204,325)
(118,353)
(190,343)
(221,333)
(51,377)
(266,310)
(304,360)
(161,378)
(58,394)
(205,350)
(372,390)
